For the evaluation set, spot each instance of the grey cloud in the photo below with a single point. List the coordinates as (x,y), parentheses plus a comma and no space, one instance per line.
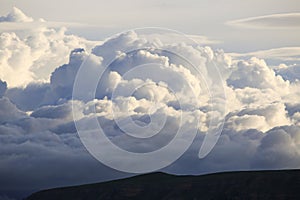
(46,156)
(278,149)
(290,73)
(3,88)
(36,92)
(53,112)
(9,112)
(62,79)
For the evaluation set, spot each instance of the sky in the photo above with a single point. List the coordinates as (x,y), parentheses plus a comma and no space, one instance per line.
(194,17)
(83,98)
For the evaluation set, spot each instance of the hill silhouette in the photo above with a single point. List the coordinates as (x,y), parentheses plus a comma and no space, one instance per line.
(280,184)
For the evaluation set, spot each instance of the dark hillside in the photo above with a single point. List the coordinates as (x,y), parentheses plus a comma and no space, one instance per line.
(265,185)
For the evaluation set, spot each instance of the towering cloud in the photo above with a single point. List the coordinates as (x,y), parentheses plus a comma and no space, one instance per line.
(32,54)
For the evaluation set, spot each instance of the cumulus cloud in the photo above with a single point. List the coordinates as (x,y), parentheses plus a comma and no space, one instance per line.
(263,117)
(38,137)
(255,73)
(290,73)
(31,55)
(62,79)
(16,15)
(275,21)
(278,149)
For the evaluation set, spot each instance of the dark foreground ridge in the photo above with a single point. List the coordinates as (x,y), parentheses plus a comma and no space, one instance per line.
(282,184)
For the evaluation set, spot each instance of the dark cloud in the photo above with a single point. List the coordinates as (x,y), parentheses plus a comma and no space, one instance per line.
(9,112)
(3,88)
(278,149)
(53,112)
(39,94)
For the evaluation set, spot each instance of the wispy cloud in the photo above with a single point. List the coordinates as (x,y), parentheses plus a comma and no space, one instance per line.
(17,20)
(283,53)
(15,26)
(275,21)
(188,38)
(203,39)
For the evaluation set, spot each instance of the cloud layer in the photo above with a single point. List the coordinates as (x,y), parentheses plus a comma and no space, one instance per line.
(283,54)
(38,138)
(275,21)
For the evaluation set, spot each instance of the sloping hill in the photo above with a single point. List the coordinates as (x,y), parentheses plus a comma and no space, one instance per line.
(284,184)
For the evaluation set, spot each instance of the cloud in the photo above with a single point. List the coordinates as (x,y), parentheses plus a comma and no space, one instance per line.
(16,15)
(3,88)
(58,91)
(203,40)
(200,39)
(38,137)
(275,21)
(279,149)
(262,118)
(62,79)
(36,55)
(255,73)
(16,20)
(37,91)
(9,111)
(282,54)
(31,55)
(291,73)
(53,112)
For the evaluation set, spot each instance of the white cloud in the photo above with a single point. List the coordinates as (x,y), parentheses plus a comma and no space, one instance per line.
(263,118)
(32,54)
(16,15)
(255,73)
(275,21)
